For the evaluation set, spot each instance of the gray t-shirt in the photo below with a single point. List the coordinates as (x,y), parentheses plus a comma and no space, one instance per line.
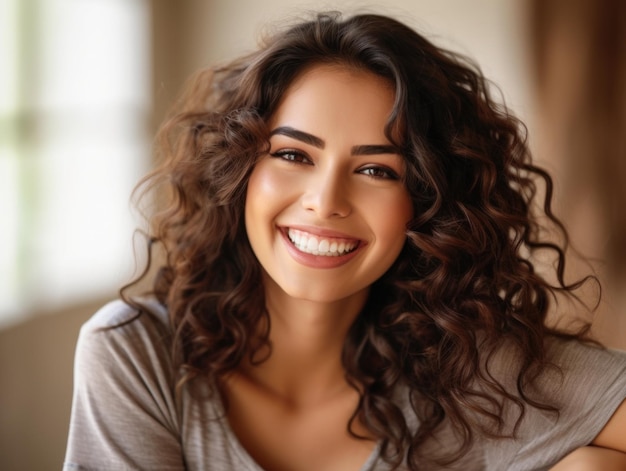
(126,415)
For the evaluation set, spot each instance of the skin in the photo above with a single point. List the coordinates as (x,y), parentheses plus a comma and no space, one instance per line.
(330,172)
(592,458)
(613,435)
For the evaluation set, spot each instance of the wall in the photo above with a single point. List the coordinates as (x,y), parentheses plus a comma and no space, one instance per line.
(490,31)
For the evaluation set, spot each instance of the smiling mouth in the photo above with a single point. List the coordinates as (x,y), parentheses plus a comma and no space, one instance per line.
(322,246)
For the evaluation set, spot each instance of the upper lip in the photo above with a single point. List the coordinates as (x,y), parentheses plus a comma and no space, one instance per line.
(320,231)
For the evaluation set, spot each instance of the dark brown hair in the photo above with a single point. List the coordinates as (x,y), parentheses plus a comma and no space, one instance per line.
(464,281)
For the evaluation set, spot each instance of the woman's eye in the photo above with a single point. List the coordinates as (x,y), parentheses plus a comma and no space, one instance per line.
(291,155)
(380,172)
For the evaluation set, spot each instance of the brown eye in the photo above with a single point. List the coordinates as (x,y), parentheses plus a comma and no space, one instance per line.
(291,155)
(380,173)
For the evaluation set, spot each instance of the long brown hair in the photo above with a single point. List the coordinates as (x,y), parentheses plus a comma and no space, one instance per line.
(465,279)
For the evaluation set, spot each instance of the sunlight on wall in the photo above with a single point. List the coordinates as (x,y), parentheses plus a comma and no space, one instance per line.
(74,103)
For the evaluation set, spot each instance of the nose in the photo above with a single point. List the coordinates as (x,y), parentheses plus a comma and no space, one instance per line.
(327,194)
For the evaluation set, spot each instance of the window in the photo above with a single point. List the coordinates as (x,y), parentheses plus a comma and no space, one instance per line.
(74,139)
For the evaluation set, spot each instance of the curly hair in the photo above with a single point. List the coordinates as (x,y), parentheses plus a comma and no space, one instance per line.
(465,280)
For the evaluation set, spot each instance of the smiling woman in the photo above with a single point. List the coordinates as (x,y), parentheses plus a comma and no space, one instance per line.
(348,280)
(325,188)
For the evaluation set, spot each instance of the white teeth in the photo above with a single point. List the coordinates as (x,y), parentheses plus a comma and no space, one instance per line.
(311,245)
(326,247)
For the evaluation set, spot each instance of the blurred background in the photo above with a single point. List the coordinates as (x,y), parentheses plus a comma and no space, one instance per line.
(84,84)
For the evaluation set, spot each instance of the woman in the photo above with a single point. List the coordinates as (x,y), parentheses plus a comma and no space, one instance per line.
(348,279)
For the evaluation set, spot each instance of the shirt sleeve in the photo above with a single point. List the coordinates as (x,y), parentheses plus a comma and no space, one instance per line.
(588,386)
(124,409)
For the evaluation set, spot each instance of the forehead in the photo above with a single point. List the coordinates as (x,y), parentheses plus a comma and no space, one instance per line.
(336,95)
(340,71)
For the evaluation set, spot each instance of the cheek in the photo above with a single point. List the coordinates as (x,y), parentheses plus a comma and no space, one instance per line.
(390,215)
(255,212)
(266,181)
(257,188)
(259,185)
(394,226)
(266,194)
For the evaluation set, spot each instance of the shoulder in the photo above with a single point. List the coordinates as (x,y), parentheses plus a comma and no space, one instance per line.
(585,368)
(118,312)
(123,337)
(577,377)
(572,354)
(592,381)
(567,361)
(584,382)
(118,321)
(124,397)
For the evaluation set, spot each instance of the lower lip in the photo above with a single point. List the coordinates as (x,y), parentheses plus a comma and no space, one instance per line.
(318,261)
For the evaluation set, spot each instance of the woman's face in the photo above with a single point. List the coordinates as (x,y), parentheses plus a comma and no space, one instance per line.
(326,209)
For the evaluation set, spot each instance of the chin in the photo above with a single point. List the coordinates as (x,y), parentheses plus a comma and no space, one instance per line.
(323,294)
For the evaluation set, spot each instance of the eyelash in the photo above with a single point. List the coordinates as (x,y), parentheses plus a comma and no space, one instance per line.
(387,173)
(292,156)
(297,157)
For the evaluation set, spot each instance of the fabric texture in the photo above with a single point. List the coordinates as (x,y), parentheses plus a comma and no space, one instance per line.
(125,414)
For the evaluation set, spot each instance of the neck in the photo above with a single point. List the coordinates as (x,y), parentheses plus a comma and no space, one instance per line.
(307,339)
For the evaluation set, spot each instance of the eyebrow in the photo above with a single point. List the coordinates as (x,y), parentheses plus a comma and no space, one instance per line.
(320,144)
(299,135)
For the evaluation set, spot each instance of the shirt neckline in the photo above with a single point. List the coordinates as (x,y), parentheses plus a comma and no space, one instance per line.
(247,459)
